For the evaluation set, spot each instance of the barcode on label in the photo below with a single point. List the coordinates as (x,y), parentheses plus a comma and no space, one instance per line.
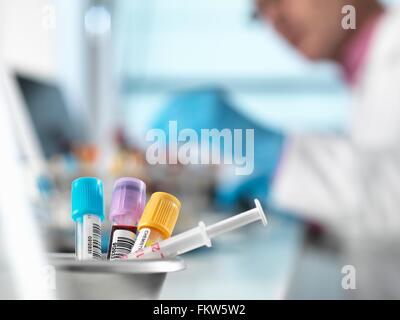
(96,242)
(121,247)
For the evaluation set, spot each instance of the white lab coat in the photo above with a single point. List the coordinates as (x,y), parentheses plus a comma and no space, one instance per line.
(353,182)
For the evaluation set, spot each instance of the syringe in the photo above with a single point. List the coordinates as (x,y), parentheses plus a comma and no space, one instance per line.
(199,236)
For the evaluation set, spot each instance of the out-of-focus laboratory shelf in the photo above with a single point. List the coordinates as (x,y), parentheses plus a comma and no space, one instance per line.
(256,263)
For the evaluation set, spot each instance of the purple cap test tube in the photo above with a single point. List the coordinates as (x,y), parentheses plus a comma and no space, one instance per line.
(128,201)
(127,205)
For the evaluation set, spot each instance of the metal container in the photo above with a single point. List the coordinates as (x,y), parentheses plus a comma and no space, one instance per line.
(126,279)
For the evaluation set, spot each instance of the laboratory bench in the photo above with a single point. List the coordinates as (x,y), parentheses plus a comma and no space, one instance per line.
(251,263)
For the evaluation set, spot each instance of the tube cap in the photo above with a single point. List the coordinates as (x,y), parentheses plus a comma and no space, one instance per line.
(128,201)
(161,213)
(87,197)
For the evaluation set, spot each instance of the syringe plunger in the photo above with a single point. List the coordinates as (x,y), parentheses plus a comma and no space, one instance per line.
(238,221)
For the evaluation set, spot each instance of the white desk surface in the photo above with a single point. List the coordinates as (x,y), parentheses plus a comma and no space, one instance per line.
(255,263)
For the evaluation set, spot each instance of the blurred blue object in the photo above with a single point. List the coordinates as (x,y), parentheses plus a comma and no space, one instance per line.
(71,163)
(210,109)
(44,185)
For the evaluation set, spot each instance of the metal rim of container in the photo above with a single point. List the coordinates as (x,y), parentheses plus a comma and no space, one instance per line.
(67,262)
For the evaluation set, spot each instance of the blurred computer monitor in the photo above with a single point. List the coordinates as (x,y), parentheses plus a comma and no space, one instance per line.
(48,113)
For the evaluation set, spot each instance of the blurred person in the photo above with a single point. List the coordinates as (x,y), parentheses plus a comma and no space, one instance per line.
(331,166)
(348,183)
(334,178)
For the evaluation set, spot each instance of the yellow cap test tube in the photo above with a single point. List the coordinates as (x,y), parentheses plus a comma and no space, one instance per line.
(158,220)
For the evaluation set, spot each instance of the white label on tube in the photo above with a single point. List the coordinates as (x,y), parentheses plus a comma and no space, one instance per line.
(141,239)
(91,237)
(122,243)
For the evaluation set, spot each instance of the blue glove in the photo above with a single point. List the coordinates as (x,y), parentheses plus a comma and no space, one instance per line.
(209,109)
(195,109)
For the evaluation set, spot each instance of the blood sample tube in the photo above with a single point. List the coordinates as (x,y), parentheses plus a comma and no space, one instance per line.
(158,220)
(127,204)
(87,212)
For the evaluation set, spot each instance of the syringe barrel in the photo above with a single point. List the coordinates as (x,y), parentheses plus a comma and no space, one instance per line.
(192,239)
(237,221)
(176,245)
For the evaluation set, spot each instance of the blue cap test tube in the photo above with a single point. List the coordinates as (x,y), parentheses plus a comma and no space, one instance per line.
(88,213)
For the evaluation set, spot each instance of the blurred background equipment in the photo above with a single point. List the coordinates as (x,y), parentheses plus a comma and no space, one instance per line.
(55,130)
(22,261)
